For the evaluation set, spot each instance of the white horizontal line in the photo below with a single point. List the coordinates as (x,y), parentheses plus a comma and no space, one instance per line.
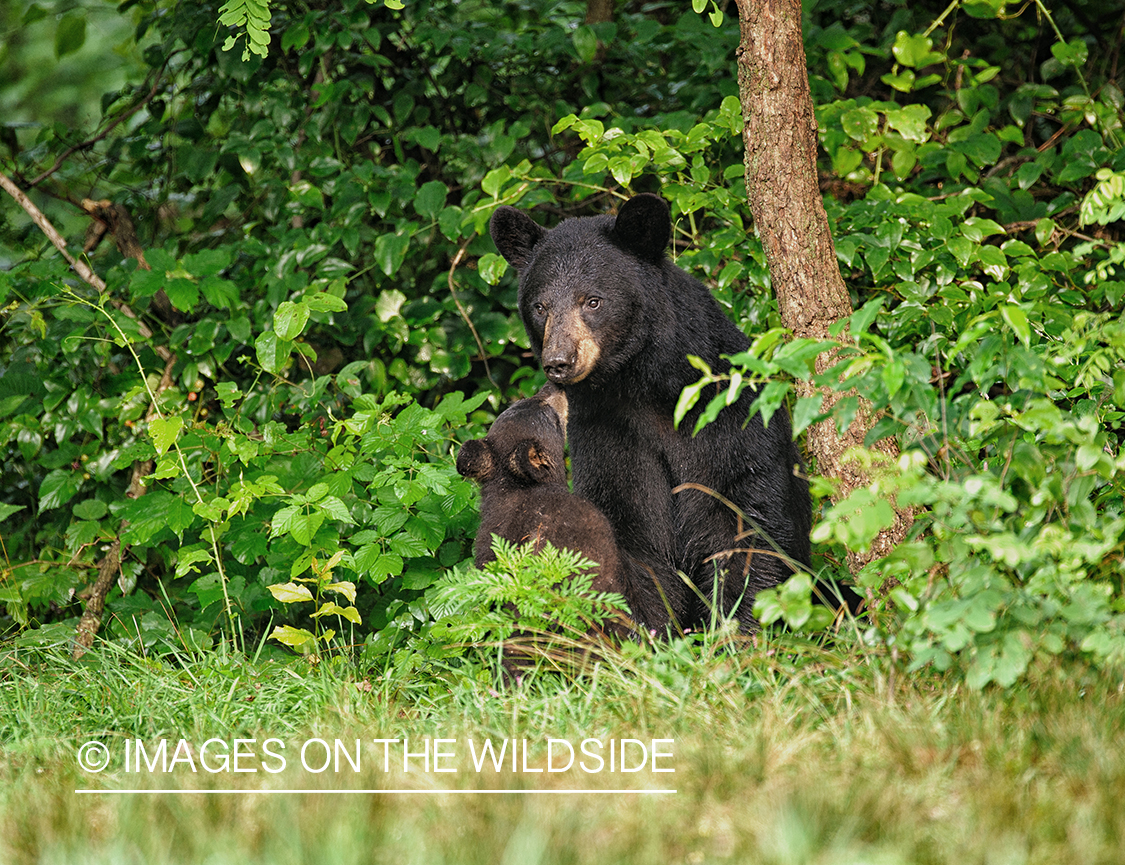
(369,792)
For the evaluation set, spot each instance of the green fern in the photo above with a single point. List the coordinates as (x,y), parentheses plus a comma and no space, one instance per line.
(521,590)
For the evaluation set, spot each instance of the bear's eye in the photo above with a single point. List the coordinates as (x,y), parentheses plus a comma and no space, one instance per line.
(539,308)
(594,302)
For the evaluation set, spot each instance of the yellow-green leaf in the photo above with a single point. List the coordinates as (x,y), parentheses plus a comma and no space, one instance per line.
(290,593)
(294,638)
(345,588)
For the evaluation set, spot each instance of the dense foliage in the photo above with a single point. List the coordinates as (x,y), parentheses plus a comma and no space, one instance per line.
(332,318)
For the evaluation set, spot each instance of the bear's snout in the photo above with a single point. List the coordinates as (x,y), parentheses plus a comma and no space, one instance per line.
(570,352)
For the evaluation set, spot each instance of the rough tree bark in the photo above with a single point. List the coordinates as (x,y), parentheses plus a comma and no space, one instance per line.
(780,138)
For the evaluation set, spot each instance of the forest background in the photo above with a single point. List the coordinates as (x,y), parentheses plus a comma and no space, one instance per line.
(249,411)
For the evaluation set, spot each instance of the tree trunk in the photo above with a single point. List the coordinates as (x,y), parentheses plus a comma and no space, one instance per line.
(780,138)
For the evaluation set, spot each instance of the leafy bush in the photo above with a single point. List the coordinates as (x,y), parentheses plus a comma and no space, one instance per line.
(324,315)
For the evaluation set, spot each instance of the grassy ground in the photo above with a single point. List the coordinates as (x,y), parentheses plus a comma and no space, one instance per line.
(779,757)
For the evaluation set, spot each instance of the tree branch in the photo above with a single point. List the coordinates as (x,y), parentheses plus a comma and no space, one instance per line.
(92,141)
(78,265)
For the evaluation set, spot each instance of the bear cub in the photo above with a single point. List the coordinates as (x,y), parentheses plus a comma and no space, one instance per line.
(521,469)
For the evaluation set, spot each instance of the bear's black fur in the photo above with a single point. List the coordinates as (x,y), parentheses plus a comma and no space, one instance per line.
(612,321)
(521,469)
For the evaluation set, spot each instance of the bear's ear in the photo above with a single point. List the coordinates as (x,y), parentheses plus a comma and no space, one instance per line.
(475,460)
(644,226)
(531,462)
(514,233)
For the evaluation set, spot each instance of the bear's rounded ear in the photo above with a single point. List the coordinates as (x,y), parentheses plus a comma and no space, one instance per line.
(531,462)
(644,226)
(514,233)
(474,460)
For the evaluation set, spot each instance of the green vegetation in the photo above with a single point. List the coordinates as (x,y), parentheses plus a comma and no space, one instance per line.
(779,757)
(303,316)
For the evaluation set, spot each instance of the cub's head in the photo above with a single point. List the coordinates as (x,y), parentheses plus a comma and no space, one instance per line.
(583,283)
(524,446)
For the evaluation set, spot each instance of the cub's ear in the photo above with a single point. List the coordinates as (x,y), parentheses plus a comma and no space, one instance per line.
(531,463)
(475,460)
(644,226)
(514,233)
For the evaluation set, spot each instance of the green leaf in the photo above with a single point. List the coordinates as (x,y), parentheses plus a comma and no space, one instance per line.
(910,121)
(58,488)
(431,199)
(164,430)
(806,412)
(272,353)
(289,320)
(70,34)
(861,319)
(291,593)
(915,50)
(345,588)
(322,301)
(1016,319)
(984,8)
(689,396)
(491,267)
(585,43)
(976,228)
(295,638)
(329,608)
(390,252)
(7,510)
(90,509)
(182,292)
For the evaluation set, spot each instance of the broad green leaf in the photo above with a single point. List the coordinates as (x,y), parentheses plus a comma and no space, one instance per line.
(322,301)
(345,588)
(90,509)
(915,50)
(491,267)
(431,199)
(164,430)
(585,43)
(805,412)
(910,121)
(295,638)
(290,319)
(390,252)
(332,609)
(272,353)
(58,488)
(291,593)
(71,33)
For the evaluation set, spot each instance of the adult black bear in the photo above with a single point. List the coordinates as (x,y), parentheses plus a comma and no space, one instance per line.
(612,321)
(524,496)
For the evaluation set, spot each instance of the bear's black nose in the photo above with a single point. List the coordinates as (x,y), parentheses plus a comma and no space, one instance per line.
(558,367)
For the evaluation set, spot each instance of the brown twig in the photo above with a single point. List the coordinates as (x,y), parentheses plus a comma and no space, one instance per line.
(452,268)
(78,265)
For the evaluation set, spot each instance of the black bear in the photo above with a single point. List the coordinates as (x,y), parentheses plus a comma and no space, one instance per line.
(521,468)
(612,321)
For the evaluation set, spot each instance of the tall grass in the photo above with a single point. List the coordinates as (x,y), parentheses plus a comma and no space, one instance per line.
(783,753)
